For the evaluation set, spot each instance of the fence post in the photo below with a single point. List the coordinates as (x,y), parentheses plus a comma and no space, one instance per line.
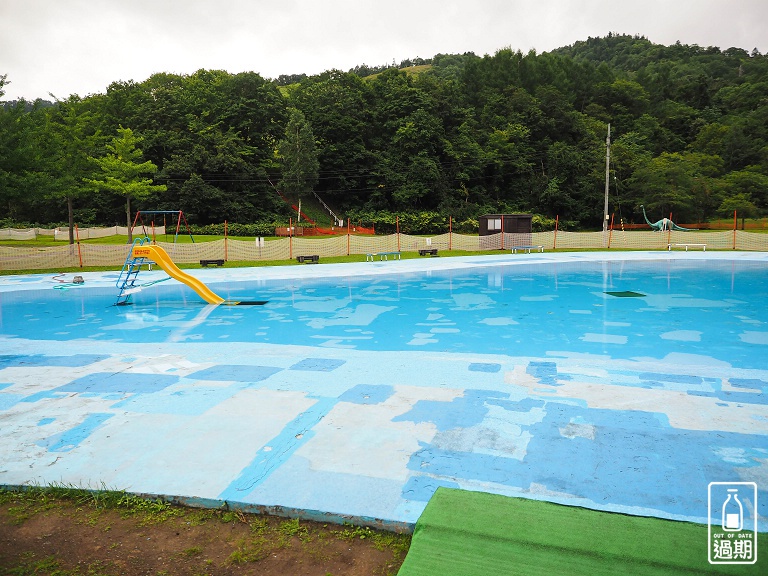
(735,225)
(290,238)
(225,241)
(79,253)
(610,234)
(397,228)
(450,232)
(347,236)
(669,230)
(502,231)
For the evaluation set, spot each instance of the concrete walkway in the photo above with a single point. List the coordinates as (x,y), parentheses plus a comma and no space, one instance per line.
(346,434)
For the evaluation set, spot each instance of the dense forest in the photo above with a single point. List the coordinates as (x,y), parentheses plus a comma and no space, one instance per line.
(457,135)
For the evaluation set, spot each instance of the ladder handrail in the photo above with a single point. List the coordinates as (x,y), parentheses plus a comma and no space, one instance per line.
(133,266)
(336,218)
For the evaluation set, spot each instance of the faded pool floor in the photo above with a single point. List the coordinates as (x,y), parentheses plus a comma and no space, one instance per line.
(368,436)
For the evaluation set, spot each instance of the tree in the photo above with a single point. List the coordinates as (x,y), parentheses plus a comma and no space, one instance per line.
(213,128)
(741,204)
(68,138)
(744,191)
(336,104)
(413,162)
(16,159)
(508,169)
(677,183)
(298,156)
(664,183)
(124,173)
(511,131)
(624,100)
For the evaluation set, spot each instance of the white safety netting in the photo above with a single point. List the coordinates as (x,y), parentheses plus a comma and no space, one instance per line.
(84,254)
(62,233)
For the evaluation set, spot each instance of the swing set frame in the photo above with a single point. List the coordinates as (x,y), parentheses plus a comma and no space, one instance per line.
(179,216)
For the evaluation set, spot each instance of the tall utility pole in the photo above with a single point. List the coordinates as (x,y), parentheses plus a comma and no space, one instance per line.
(607,177)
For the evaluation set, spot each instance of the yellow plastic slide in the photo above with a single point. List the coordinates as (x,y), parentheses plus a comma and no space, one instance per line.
(161,258)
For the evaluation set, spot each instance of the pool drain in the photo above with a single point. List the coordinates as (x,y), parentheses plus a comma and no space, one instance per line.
(626,294)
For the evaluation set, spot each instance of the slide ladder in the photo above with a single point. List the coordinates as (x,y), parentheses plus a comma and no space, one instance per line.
(142,251)
(126,281)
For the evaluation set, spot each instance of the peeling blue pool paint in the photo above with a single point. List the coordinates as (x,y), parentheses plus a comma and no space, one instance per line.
(545,372)
(367,394)
(278,450)
(8,400)
(464,412)
(239,373)
(484,367)
(71,439)
(738,397)
(74,361)
(317,365)
(358,390)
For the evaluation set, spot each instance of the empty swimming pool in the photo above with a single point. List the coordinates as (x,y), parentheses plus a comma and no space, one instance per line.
(620,384)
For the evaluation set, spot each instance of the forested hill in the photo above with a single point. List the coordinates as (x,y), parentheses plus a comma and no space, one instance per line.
(459,135)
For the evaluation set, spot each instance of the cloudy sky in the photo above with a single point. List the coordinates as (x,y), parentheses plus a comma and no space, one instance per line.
(67,47)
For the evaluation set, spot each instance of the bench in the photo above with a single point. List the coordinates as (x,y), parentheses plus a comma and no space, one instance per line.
(382,256)
(702,246)
(430,251)
(215,262)
(313,259)
(527,249)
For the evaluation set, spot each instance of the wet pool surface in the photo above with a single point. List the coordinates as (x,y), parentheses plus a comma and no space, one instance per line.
(626,384)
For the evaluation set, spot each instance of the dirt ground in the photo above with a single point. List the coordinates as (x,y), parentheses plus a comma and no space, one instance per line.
(52,537)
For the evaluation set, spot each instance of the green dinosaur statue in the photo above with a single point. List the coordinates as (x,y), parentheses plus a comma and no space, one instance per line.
(664,224)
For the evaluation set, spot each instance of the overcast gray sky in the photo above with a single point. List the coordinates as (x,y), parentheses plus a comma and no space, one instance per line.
(79,47)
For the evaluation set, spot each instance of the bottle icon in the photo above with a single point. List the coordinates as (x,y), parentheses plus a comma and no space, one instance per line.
(733,513)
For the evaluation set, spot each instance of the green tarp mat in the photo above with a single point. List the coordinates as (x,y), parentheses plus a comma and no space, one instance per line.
(463,533)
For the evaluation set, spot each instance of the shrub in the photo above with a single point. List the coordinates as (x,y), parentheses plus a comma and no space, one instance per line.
(234,229)
(410,222)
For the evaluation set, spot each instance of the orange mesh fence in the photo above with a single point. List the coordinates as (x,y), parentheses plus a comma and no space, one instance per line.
(244,251)
(96,254)
(86,254)
(22,258)
(323,247)
(749,241)
(337,230)
(191,253)
(373,244)
(466,243)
